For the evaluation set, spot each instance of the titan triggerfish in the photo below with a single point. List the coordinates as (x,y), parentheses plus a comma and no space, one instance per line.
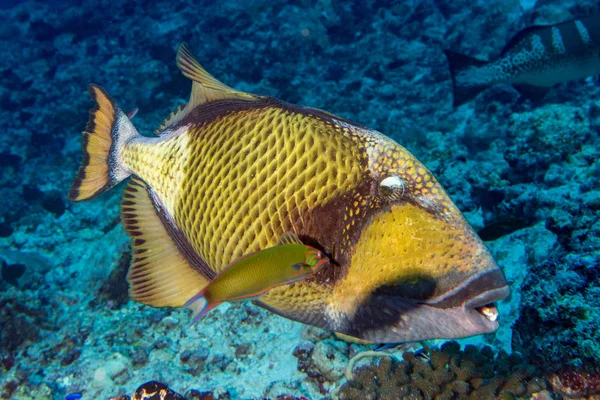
(230,172)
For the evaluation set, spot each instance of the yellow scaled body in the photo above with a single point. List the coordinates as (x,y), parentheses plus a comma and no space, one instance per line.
(231,172)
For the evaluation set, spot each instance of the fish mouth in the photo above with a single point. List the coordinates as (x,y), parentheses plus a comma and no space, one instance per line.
(468,311)
(483,308)
(479,311)
(477,298)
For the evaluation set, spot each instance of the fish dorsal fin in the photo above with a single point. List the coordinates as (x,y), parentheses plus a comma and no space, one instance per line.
(159,274)
(192,69)
(205,88)
(289,238)
(176,115)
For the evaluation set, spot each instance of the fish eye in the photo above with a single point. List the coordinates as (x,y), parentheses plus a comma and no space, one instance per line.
(392,188)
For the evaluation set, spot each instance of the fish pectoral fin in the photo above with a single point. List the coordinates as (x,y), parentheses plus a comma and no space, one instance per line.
(289,238)
(159,275)
(300,266)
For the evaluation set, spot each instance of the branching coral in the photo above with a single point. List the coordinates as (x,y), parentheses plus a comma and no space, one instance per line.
(449,374)
(362,355)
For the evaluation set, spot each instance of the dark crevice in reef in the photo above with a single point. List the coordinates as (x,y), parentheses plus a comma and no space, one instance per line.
(114,292)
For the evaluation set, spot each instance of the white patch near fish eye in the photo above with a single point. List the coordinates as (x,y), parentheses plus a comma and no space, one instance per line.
(557,41)
(393,182)
(583,33)
(392,187)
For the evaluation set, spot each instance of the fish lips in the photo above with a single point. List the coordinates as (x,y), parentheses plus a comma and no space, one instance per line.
(386,318)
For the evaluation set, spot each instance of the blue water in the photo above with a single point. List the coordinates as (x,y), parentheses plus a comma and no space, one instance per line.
(524,173)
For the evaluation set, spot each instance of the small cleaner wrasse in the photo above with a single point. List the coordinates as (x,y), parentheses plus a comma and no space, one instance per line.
(254,274)
(534,60)
(230,173)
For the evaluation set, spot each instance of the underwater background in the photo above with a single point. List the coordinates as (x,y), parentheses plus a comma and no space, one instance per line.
(525,174)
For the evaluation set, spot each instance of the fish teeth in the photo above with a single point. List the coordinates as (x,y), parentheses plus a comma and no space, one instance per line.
(490,312)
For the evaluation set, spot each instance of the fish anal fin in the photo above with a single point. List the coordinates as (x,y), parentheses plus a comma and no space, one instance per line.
(159,275)
(289,238)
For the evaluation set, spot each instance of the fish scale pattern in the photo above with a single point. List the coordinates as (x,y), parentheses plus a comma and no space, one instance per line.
(254,175)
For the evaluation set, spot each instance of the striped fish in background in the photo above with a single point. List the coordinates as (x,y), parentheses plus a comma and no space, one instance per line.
(534,60)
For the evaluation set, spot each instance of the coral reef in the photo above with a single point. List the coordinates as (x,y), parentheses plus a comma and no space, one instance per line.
(526,175)
(448,374)
(322,363)
(563,303)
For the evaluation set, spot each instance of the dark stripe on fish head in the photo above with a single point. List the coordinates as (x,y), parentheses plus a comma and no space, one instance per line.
(416,269)
(589,29)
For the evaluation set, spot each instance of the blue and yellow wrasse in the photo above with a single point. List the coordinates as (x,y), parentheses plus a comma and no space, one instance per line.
(231,172)
(255,274)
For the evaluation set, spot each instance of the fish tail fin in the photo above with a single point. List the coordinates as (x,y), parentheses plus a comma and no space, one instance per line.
(200,306)
(463,90)
(107,131)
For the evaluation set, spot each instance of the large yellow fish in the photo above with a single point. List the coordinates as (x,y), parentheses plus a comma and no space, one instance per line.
(231,172)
